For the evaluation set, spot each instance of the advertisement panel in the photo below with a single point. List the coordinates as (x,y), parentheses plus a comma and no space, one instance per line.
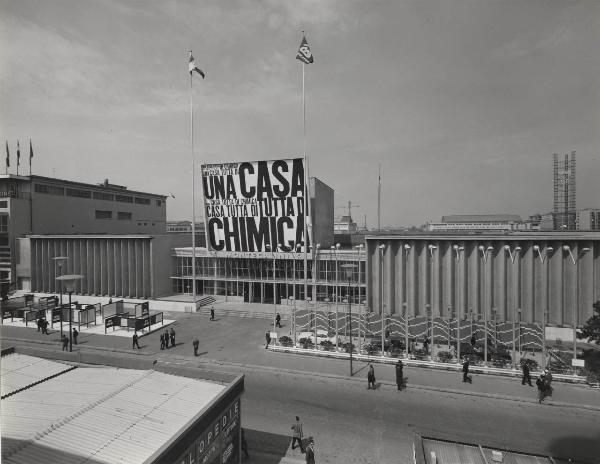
(250,205)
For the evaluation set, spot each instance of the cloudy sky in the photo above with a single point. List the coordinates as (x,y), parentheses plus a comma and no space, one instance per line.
(462,102)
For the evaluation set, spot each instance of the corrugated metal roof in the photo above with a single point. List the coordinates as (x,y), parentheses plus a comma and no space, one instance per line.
(100,415)
(20,371)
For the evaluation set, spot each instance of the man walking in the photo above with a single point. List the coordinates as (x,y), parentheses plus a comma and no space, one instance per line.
(212,312)
(65,342)
(172,334)
(297,434)
(162,341)
(44,326)
(526,374)
(399,374)
(371,377)
(465,368)
(278,321)
(310,451)
(75,334)
(135,341)
(196,344)
(166,338)
(268,338)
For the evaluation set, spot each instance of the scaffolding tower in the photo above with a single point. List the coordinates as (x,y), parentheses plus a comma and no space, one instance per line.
(565,204)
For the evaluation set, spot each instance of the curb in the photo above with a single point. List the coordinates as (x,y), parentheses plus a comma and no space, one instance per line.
(179,359)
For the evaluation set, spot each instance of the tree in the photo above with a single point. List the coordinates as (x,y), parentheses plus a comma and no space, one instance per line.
(591,329)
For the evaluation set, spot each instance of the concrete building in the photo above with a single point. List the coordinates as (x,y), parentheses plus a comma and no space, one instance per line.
(588,219)
(476,222)
(43,205)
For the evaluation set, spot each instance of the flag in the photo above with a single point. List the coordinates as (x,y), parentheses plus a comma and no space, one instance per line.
(18,154)
(193,66)
(304,53)
(7,155)
(30,151)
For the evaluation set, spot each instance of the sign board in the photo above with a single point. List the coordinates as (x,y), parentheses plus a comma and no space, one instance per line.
(56,314)
(578,362)
(254,206)
(145,309)
(112,321)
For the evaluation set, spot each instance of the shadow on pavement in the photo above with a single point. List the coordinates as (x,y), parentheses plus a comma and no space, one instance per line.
(267,448)
(578,449)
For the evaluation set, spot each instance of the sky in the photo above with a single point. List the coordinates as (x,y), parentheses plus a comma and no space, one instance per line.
(461,102)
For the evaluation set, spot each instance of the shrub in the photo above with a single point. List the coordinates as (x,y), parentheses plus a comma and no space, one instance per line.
(372,349)
(327,345)
(286,341)
(348,347)
(420,354)
(306,343)
(444,356)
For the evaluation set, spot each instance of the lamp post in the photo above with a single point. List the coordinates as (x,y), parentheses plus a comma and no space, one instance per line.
(359,280)
(449,326)
(576,306)
(70,280)
(406,249)
(268,248)
(349,270)
(484,254)
(545,259)
(457,249)
(381,305)
(335,250)
(520,341)
(513,258)
(59,260)
(428,313)
(315,269)
(431,249)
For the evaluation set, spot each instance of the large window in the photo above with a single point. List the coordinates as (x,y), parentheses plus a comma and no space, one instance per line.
(104,196)
(79,193)
(4,223)
(103,214)
(124,216)
(49,189)
(142,201)
(124,198)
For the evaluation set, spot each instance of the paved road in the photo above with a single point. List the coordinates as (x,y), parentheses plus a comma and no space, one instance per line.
(354,425)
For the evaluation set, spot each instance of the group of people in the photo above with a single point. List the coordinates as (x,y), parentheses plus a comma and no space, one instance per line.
(42,324)
(166,337)
(65,340)
(298,436)
(544,385)
(371,381)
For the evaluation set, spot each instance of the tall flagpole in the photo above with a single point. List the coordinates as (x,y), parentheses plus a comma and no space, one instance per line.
(379,200)
(305,195)
(193,194)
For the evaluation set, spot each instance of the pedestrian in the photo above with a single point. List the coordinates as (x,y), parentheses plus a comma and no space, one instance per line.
(473,341)
(162,341)
(310,451)
(75,333)
(297,434)
(268,338)
(196,344)
(426,345)
(371,377)
(278,321)
(526,374)
(135,341)
(44,326)
(465,369)
(65,342)
(166,338)
(399,374)
(548,377)
(244,444)
(172,336)
(40,322)
(212,312)
(541,386)
(109,300)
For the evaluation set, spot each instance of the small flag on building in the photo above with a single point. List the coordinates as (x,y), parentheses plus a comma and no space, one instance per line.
(7,155)
(304,53)
(18,154)
(30,151)
(193,66)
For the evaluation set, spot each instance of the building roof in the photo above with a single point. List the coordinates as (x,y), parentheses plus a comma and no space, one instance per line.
(99,414)
(460,218)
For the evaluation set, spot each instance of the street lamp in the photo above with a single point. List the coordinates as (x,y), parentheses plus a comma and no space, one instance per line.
(335,250)
(59,260)
(315,269)
(70,280)
(359,248)
(431,249)
(406,248)
(484,254)
(381,251)
(457,249)
(349,270)
(576,306)
(513,258)
(268,248)
(545,259)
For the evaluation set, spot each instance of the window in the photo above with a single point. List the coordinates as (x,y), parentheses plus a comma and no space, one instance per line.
(121,215)
(103,214)
(49,189)
(142,201)
(104,196)
(124,198)
(79,193)
(4,204)
(3,223)
(158,202)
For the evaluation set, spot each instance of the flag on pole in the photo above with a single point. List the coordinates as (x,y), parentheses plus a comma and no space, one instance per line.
(7,155)
(304,53)
(18,154)
(30,151)
(193,66)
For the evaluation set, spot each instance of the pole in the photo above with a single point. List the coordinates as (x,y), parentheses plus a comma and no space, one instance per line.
(305,193)
(336,300)
(70,324)
(274,295)
(458,302)
(485,298)
(193,192)
(350,322)
(575,312)
(61,303)
(381,248)
(379,199)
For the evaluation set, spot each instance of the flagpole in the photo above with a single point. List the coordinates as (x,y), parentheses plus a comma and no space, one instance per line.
(193,193)
(30,156)
(379,200)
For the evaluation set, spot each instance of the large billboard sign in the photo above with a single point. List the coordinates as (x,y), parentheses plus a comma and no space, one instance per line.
(254,206)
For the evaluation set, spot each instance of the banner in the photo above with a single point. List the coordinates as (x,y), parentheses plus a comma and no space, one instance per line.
(254,206)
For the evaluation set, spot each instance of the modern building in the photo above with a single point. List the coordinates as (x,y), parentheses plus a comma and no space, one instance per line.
(476,222)
(43,205)
(588,219)
(565,192)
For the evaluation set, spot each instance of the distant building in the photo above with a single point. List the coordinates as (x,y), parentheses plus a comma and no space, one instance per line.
(477,222)
(588,219)
(345,226)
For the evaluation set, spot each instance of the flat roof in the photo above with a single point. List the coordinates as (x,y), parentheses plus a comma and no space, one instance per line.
(493,235)
(98,414)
